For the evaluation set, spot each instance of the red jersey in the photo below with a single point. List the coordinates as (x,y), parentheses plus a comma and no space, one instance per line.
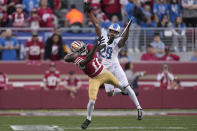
(112,6)
(56,4)
(149,57)
(171,57)
(72,82)
(95,3)
(34,22)
(52,79)
(19,19)
(45,15)
(54,52)
(3,80)
(35,49)
(94,67)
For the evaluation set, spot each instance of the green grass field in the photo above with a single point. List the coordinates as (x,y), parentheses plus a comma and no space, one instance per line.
(119,123)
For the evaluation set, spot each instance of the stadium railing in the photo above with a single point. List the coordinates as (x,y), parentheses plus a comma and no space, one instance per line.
(88,35)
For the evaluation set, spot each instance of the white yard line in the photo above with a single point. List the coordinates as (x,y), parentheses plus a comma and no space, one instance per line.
(57,128)
(126,128)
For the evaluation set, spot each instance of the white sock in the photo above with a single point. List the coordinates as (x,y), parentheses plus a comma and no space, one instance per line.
(90,109)
(133,97)
(116,91)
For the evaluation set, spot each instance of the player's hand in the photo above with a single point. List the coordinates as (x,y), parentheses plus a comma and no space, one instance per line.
(87,7)
(100,41)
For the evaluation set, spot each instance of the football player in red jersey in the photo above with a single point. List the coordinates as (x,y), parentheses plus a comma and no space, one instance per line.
(84,56)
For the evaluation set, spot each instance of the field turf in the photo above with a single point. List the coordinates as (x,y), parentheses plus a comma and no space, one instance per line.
(105,123)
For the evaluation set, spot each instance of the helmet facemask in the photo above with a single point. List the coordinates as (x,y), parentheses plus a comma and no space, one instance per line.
(112,34)
(83,51)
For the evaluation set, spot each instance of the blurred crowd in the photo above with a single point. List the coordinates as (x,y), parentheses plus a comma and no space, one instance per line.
(48,13)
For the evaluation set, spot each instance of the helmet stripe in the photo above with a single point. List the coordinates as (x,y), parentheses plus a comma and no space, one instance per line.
(77,43)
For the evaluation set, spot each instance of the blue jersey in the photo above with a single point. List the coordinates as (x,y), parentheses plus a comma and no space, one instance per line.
(160,10)
(30,4)
(158,46)
(9,54)
(174,10)
(130,11)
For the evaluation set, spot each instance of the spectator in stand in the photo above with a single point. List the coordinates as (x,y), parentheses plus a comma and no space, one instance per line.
(101,17)
(54,48)
(190,12)
(179,35)
(18,17)
(148,23)
(29,5)
(164,22)
(3,34)
(165,77)
(132,76)
(133,8)
(123,57)
(112,7)
(51,78)
(147,2)
(46,14)
(194,57)
(166,31)
(149,55)
(3,81)
(147,10)
(55,5)
(123,3)
(4,19)
(169,56)
(95,3)
(74,17)
(11,6)
(114,20)
(160,8)
(34,20)
(72,84)
(174,10)
(34,48)
(9,46)
(158,46)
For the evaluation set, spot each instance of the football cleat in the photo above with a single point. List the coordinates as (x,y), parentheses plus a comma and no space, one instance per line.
(139,114)
(85,124)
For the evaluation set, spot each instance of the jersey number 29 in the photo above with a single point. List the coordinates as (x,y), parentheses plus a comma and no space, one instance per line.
(106,52)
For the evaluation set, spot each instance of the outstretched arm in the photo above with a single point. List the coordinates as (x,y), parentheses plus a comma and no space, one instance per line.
(90,55)
(92,18)
(125,34)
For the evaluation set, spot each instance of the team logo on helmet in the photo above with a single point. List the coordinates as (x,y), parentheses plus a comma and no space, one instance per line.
(115,27)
